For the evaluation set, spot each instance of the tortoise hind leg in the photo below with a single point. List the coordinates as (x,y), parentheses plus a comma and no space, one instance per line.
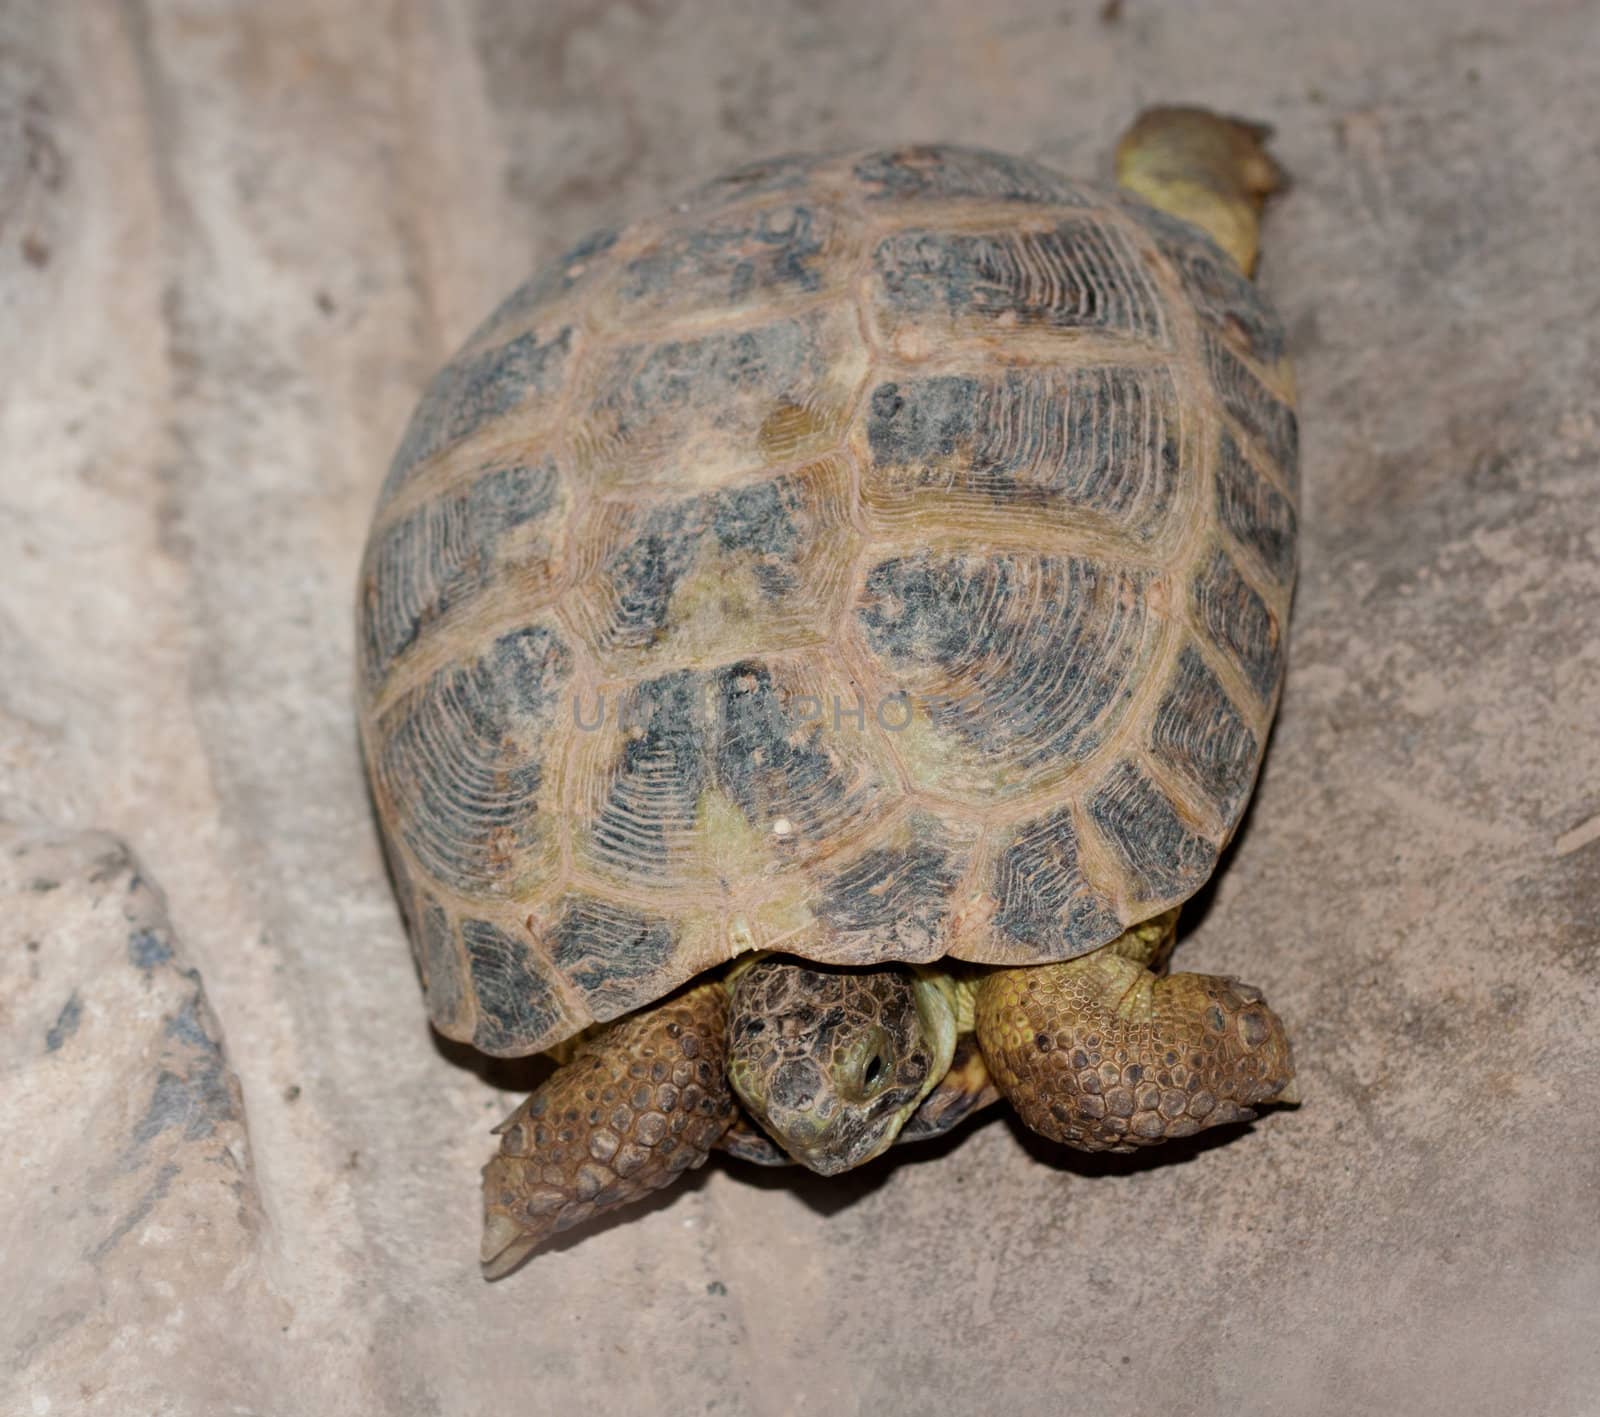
(641,1101)
(1105,1055)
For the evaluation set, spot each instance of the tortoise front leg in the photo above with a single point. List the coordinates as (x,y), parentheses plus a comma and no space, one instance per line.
(1105,1055)
(642,1100)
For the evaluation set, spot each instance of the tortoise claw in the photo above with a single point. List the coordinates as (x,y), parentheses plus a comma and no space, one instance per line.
(505,1245)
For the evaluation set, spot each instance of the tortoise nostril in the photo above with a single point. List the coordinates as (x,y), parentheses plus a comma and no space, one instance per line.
(863,1072)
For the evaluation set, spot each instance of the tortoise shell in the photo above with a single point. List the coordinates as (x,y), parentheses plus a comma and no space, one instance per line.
(877,557)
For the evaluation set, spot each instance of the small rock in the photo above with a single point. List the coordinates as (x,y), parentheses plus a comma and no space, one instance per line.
(132,1212)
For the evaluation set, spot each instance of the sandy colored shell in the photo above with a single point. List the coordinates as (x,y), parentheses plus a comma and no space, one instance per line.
(877,557)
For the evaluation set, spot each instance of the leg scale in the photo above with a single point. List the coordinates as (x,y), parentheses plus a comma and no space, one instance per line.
(1104,1055)
(641,1101)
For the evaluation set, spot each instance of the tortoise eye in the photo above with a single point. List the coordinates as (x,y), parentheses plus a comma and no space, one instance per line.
(874,1070)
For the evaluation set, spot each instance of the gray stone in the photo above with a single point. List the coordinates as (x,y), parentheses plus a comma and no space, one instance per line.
(133,1221)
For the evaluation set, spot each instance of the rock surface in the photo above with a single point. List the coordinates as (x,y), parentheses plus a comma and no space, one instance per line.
(236,239)
(130,1203)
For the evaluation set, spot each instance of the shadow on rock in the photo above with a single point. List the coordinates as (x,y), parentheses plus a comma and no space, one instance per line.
(828,1195)
(521,1075)
(1094,1164)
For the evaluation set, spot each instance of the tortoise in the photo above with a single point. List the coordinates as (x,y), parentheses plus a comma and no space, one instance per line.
(813,640)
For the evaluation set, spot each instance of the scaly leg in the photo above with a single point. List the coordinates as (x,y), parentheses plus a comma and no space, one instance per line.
(1103,1054)
(642,1100)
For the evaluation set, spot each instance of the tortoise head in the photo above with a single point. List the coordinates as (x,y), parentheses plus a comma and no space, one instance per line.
(832,1061)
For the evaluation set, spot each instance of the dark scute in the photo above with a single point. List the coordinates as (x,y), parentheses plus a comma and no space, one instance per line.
(892,903)
(1032,651)
(1230,304)
(729,728)
(1164,859)
(758,519)
(460,759)
(1240,622)
(439,962)
(1045,901)
(761,520)
(1103,438)
(1262,414)
(769,250)
(1081,275)
(924,421)
(646,571)
(917,609)
(767,767)
(472,390)
(649,409)
(613,954)
(516,1005)
(682,371)
(441,555)
(1255,511)
(1198,731)
(660,777)
(436,958)
(507,497)
(529,666)
(941,171)
(1223,296)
